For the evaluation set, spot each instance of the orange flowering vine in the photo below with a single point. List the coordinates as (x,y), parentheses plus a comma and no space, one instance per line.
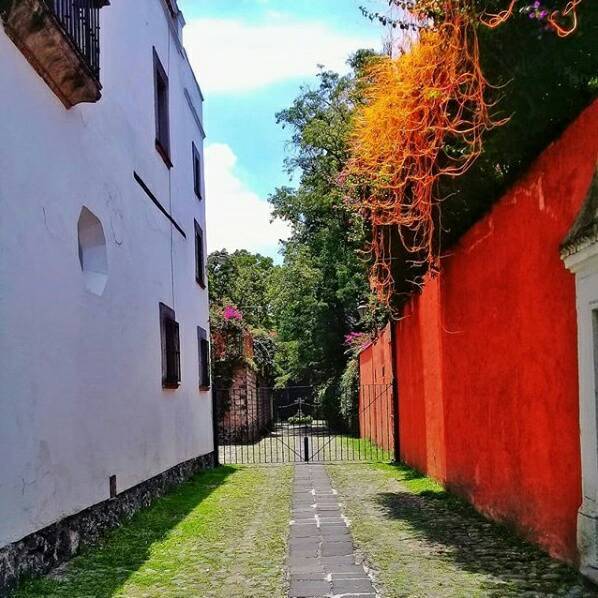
(424,117)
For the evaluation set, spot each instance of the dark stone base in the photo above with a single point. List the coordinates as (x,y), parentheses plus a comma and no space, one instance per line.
(43,550)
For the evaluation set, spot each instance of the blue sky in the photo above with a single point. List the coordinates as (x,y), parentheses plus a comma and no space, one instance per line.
(251,57)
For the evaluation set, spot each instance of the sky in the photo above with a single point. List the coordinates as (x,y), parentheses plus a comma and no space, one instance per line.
(250,58)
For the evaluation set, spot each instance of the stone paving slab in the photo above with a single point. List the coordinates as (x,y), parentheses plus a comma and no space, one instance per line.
(321,559)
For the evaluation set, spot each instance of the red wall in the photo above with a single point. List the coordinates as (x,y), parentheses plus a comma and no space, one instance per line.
(375,391)
(487,357)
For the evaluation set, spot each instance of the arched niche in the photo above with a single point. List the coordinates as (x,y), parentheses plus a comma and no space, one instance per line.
(92,252)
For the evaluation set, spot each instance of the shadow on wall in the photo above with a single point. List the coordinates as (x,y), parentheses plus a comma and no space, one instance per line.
(100,571)
(454,531)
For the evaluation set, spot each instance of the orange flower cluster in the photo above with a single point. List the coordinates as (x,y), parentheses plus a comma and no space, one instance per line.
(424,117)
(416,105)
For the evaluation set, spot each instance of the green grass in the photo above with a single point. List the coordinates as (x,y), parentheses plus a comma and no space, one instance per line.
(341,447)
(222,534)
(416,482)
(364,448)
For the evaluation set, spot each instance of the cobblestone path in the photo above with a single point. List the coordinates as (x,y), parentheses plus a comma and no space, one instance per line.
(321,560)
(420,541)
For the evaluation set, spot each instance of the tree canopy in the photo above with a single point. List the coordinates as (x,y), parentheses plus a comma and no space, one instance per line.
(323,277)
(310,301)
(242,279)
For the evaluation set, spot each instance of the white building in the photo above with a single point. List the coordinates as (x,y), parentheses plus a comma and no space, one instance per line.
(101,245)
(580,255)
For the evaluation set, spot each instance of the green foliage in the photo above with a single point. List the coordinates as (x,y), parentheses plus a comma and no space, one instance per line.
(227,345)
(310,302)
(300,315)
(242,278)
(300,420)
(541,82)
(349,392)
(264,355)
(323,279)
(329,398)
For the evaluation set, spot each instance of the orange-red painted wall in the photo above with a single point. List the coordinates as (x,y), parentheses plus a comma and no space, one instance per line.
(487,356)
(375,391)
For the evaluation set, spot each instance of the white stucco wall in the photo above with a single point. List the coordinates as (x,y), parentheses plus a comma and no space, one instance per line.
(584,264)
(80,374)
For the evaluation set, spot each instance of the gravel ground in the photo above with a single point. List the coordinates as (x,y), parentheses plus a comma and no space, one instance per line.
(422,541)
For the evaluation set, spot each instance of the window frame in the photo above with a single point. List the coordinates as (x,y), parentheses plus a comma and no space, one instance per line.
(204,362)
(170,344)
(162,110)
(197,168)
(200,261)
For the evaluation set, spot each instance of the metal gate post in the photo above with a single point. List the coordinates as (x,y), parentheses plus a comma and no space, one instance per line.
(305,448)
(395,395)
(395,419)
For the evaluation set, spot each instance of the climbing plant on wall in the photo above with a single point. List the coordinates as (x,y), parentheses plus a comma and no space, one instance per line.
(471,69)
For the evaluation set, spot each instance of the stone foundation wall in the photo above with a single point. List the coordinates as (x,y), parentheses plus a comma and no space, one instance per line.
(43,550)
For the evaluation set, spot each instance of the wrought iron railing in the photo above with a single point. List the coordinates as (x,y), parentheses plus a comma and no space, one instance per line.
(80,20)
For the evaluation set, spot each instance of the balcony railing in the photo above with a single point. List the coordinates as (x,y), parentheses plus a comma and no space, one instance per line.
(80,20)
(61,40)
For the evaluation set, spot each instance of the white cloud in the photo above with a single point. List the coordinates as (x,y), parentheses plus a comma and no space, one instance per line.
(231,56)
(236,217)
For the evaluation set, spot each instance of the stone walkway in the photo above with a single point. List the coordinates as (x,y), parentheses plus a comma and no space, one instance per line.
(321,560)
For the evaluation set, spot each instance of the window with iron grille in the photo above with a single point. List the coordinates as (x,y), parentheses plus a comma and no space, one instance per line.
(199,256)
(171,348)
(203,345)
(162,110)
(196,171)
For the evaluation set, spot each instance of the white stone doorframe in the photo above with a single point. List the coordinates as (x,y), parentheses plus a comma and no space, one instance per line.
(580,255)
(584,265)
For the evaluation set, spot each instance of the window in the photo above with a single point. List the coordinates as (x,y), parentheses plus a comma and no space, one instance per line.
(196,172)
(203,345)
(161,107)
(199,260)
(171,351)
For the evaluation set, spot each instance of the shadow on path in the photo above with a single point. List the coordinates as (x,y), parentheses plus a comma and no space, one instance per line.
(453,530)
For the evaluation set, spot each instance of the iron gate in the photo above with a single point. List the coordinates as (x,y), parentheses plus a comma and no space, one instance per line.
(269,425)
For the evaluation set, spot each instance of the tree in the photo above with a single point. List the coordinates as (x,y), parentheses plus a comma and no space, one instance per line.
(316,292)
(310,302)
(242,279)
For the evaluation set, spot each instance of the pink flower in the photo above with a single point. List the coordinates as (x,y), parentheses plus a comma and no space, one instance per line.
(232,313)
(355,338)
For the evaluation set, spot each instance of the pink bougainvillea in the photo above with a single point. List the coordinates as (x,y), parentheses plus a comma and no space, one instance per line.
(232,313)
(352,337)
(357,340)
